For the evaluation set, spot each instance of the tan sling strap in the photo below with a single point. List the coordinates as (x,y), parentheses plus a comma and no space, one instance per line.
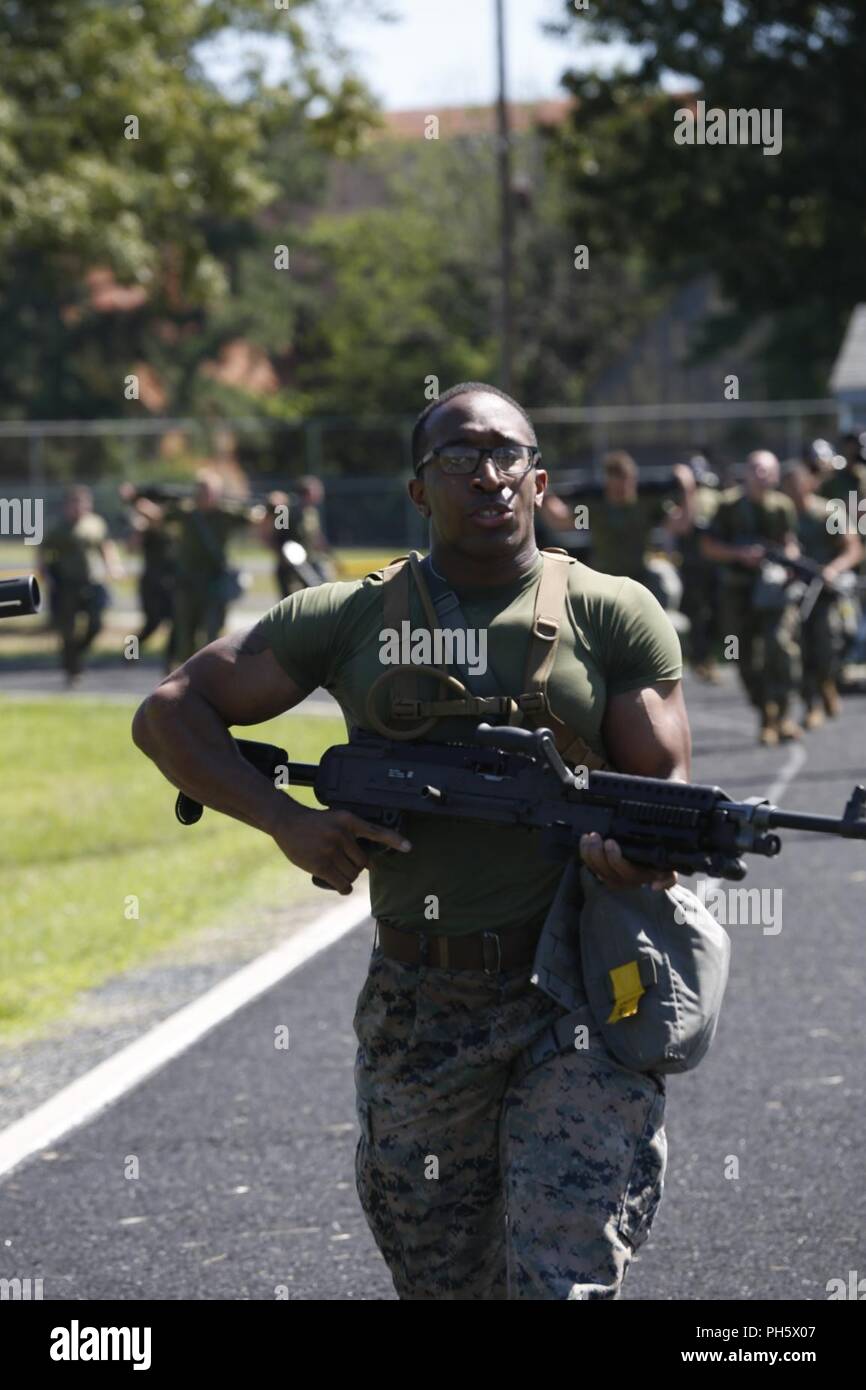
(404,696)
(395,605)
(533,705)
(550,600)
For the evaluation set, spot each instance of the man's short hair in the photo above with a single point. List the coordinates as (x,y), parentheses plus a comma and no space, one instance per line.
(77,492)
(463,388)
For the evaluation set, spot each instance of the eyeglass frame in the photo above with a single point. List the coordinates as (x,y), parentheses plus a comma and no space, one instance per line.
(483,453)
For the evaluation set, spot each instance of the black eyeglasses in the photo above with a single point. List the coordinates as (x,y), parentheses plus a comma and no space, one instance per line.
(459,460)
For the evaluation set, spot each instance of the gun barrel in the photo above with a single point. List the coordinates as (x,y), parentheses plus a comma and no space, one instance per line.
(822,825)
(19,597)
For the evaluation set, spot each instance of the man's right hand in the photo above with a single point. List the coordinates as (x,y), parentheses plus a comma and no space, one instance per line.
(325,843)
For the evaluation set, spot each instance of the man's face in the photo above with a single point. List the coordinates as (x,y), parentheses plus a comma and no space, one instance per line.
(206,496)
(618,486)
(77,505)
(481,513)
(762,473)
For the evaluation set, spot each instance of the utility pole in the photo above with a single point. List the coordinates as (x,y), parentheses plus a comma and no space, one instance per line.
(506,207)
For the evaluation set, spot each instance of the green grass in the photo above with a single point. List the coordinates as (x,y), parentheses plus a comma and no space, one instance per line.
(87,822)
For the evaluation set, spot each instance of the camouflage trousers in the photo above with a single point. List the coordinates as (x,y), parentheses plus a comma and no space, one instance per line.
(481,1175)
(769,661)
(821,642)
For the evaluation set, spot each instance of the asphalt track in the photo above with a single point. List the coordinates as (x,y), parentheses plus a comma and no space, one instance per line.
(246,1152)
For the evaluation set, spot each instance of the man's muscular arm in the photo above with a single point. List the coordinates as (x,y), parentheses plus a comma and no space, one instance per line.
(183,727)
(646,732)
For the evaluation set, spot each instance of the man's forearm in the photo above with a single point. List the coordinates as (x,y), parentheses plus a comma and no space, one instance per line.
(192,748)
(719,551)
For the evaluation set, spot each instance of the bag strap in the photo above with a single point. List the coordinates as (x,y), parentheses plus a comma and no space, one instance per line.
(532,706)
(450,615)
(550,607)
(395,604)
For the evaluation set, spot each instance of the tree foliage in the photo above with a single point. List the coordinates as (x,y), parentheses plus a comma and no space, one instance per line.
(784,233)
(117,151)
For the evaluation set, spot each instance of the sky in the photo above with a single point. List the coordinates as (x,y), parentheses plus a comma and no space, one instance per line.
(444,53)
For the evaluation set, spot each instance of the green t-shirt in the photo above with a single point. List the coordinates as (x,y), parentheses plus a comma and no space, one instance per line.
(816,542)
(616,638)
(740,521)
(75,551)
(201,539)
(619,533)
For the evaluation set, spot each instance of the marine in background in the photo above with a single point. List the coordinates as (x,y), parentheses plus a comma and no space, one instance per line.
(304,528)
(687,521)
(846,472)
(621,523)
(760,615)
(76,558)
(206,583)
(821,632)
(152,537)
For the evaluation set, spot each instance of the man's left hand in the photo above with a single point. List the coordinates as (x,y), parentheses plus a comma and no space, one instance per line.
(606,860)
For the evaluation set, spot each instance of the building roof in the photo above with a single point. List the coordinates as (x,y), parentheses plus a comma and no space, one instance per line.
(849,369)
(473,120)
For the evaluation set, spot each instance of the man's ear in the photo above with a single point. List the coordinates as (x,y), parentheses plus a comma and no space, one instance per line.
(418,494)
(540,485)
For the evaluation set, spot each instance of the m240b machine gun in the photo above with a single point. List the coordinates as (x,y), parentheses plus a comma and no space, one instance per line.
(513,776)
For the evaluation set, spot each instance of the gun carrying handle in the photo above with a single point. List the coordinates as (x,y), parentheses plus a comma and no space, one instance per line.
(510,739)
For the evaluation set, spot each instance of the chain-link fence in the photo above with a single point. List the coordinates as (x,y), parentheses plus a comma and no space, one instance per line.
(365,463)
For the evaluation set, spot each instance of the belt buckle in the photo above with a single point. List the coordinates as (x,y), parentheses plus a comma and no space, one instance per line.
(488,939)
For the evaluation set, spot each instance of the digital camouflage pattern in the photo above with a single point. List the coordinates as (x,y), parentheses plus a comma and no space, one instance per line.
(770,659)
(483,1177)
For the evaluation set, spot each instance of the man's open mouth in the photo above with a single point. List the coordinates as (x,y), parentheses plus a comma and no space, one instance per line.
(492,516)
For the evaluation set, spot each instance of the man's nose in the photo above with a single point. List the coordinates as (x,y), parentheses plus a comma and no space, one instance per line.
(487,476)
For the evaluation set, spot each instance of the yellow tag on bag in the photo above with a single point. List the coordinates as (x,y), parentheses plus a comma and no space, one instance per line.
(627,990)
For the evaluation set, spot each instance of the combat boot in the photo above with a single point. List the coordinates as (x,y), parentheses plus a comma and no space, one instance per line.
(814,717)
(769,735)
(788,727)
(830,696)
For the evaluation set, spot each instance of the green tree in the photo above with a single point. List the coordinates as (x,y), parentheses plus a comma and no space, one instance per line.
(118,151)
(783,233)
(409,288)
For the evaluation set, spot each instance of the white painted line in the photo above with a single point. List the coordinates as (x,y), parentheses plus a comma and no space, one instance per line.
(104,1084)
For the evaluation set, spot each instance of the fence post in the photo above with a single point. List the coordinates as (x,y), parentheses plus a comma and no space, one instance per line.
(35,466)
(313,447)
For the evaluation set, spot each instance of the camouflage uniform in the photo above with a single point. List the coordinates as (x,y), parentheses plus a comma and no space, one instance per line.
(821,638)
(769,659)
(549,1172)
(550,1164)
